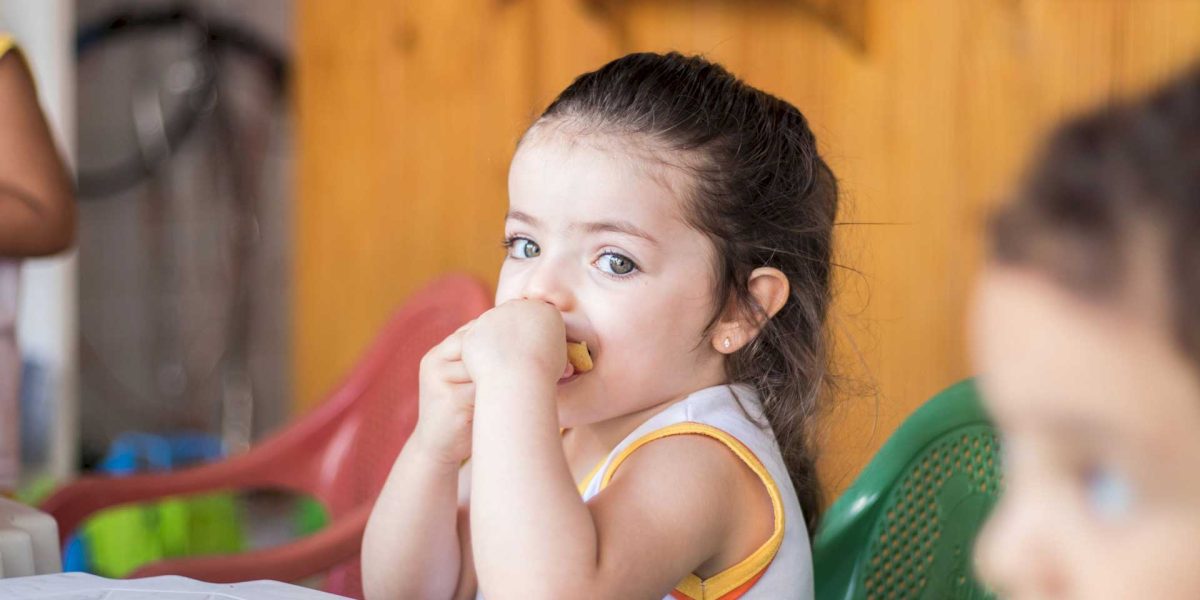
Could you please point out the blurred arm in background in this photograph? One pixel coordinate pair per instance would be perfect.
(37, 209)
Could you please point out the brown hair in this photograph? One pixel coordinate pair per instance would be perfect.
(762, 194)
(1100, 182)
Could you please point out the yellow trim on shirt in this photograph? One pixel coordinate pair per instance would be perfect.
(6, 43)
(729, 579)
(587, 480)
(582, 486)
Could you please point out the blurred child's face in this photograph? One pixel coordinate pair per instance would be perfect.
(1100, 414)
(600, 234)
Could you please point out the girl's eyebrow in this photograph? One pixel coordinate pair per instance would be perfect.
(1081, 428)
(517, 215)
(624, 227)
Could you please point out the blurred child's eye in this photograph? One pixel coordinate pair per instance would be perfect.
(519, 247)
(1109, 493)
(616, 264)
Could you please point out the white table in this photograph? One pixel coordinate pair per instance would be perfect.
(82, 586)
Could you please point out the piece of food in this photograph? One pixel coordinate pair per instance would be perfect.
(579, 357)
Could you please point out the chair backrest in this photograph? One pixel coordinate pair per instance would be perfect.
(340, 452)
(906, 527)
(383, 392)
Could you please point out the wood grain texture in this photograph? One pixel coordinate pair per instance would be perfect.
(927, 110)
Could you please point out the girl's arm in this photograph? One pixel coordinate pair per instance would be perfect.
(673, 507)
(417, 543)
(37, 209)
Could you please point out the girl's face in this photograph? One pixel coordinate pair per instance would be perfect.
(1100, 417)
(601, 236)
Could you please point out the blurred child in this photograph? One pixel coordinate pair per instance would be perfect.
(679, 222)
(1087, 340)
(37, 217)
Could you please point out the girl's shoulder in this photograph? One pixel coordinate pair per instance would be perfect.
(713, 456)
(730, 414)
(712, 442)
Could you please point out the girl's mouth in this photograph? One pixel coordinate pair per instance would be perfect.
(569, 372)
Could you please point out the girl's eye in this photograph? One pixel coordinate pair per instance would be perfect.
(1109, 493)
(616, 264)
(519, 247)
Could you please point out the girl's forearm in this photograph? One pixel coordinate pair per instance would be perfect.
(531, 532)
(37, 207)
(29, 227)
(411, 545)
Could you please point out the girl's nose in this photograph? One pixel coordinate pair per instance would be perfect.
(548, 284)
(1012, 554)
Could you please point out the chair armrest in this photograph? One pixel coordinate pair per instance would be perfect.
(308, 556)
(73, 503)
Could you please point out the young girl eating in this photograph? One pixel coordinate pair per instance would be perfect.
(679, 223)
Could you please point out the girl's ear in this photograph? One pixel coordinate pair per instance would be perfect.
(769, 288)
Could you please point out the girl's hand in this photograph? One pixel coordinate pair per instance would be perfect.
(447, 402)
(526, 338)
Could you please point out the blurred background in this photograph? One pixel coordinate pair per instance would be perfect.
(184, 145)
(262, 183)
(173, 310)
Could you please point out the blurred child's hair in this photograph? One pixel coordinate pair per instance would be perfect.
(1123, 175)
(760, 191)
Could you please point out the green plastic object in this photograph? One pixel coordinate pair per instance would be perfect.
(121, 539)
(906, 527)
(214, 525)
(125, 537)
(37, 490)
(311, 516)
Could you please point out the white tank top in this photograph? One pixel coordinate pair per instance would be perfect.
(781, 569)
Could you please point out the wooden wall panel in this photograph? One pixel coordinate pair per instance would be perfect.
(927, 110)
(408, 112)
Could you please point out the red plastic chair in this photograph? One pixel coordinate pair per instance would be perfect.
(340, 453)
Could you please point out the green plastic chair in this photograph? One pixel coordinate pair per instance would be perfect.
(906, 528)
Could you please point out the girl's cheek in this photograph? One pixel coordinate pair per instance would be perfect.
(508, 287)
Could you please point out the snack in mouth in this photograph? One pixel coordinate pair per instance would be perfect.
(578, 356)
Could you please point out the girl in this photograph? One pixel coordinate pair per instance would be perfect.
(1087, 338)
(679, 222)
(37, 217)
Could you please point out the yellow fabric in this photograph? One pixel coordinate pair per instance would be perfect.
(6, 43)
(587, 480)
(728, 580)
